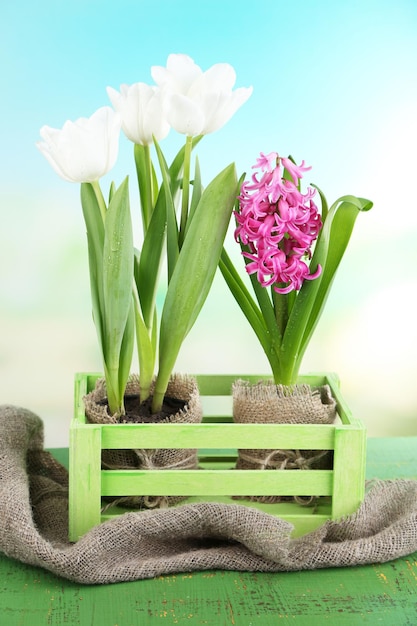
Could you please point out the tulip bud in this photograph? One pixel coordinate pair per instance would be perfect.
(85, 150)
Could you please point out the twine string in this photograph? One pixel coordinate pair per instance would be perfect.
(285, 460)
(146, 462)
(282, 459)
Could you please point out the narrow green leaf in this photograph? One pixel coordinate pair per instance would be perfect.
(117, 275)
(244, 299)
(324, 205)
(171, 220)
(96, 283)
(126, 351)
(95, 237)
(175, 168)
(149, 260)
(146, 352)
(197, 192)
(147, 182)
(112, 189)
(310, 300)
(195, 269)
(265, 304)
(263, 298)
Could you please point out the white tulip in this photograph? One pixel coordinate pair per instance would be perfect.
(141, 110)
(198, 102)
(85, 150)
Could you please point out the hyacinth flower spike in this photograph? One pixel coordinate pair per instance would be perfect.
(291, 254)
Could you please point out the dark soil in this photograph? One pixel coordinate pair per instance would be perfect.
(140, 413)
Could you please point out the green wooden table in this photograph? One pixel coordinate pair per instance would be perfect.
(376, 594)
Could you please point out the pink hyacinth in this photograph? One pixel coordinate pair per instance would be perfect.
(278, 224)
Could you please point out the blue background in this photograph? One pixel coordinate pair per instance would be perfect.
(334, 84)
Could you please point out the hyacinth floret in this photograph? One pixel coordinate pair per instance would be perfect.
(278, 224)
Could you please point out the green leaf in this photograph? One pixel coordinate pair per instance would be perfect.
(126, 351)
(149, 260)
(146, 352)
(263, 299)
(324, 205)
(265, 304)
(95, 237)
(171, 220)
(244, 299)
(177, 165)
(112, 189)
(196, 195)
(311, 298)
(117, 280)
(147, 182)
(195, 270)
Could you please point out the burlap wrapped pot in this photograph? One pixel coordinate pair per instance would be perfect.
(268, 403)
(182, 388)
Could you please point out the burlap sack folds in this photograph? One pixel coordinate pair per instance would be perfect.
(181, 387)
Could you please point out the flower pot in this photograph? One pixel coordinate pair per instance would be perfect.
(182, 405)
(268, 403)
(217, 438)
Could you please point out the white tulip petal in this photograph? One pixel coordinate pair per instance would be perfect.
(115, 97)
(84, 150)
(143, 116)
(185, 116)
(219, 77)
(48, 154)
(179, 74)
(154, 120)
(160, 75)
(239, 97)
(210, 100)
(215, 107)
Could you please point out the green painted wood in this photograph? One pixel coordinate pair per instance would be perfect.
(381, 594)
(151, 436)
(345, 483)
(221, 384)
(215, 482)
(84, 480)
(349, 470)
(216, 384)
(375, 595)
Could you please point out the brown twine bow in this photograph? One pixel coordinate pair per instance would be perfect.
(146, 463)
(282, 459)
(285, 460)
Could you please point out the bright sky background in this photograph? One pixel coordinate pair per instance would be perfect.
(334, 83)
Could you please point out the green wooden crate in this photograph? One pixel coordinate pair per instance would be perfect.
(217, 440)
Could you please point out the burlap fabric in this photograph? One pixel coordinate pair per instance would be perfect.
(180, 387)
(206, 536)
(268, 403)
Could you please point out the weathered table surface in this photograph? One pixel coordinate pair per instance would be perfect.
(376, 594)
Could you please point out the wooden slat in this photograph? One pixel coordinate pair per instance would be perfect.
(216, 482)
(84, 480)
(245, 436)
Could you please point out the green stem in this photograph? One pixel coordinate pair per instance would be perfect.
(185, 188)
(280, 301)
(147, 209)
(146, 354)
(288, 367)
(157, 399)
(100, 199)
(116, 404)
